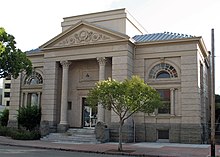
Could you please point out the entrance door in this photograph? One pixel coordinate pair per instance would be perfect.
(89, 115)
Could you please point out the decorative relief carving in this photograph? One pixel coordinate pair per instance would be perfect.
(162, 59)
(83, 37)
(89, 75)
(102, 61)
(65, 63)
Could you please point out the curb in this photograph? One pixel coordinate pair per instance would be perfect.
(109, 152)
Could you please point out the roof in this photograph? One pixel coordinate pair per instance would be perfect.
(142, 38)
(68, 34)
(160, 37)
(37, 50)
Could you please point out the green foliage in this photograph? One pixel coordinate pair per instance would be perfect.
(4, 131)
(19, 134)
(12, 60)
(4, 117)
(125, 98)
(29, 117)
(25, 135)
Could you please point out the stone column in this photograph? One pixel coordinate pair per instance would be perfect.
(62, 127)
(172, 101)
(38, 98)
(101, 110)
(25, 99)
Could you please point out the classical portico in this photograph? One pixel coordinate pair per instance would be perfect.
(65, 68)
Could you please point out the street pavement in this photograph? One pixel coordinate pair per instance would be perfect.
(15, 151)
(130, 149)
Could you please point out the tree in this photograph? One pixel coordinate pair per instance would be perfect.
(124, 98)
(12, 60)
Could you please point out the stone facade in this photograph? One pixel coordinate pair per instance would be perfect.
(94, 47)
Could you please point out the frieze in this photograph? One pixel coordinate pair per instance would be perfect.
(83, 37)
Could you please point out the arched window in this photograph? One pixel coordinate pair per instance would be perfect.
(163, 74)
(163, 70)
(34, 79)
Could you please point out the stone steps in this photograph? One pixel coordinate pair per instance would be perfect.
(84, 135)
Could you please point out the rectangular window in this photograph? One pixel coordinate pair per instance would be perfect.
(69, 105)
(163, 134)
(7, 85)
(165, 96)
(7, 94)
(7, 103)
(32, 99)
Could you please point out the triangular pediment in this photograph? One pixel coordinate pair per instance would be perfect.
(83, 33)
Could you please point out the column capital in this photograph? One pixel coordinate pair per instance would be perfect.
(102, 60)
(65, 63)
(172, 89)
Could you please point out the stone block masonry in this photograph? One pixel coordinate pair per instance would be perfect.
(148, 132)
(127, 133)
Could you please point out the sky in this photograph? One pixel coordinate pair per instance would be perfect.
(35, 22)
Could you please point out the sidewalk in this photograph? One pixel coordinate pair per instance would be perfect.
(130, 149)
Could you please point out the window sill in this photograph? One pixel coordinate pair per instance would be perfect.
(165, 116)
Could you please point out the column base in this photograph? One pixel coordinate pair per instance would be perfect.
(47, 127)
(62, 128)
(12, 124)
(44, 128)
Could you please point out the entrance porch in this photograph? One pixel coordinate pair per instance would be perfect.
(76, 79)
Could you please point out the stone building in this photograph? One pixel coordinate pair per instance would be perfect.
(6, 91)
(93, 47)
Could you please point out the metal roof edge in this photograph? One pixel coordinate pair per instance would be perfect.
(167, 41)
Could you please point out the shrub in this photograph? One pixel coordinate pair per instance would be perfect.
(5, 131)
(25, 135)
(29, 117)
(19, 134)
(4, 117)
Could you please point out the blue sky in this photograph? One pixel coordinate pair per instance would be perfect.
(35, 22)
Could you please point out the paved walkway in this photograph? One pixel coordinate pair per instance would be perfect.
(130, 149)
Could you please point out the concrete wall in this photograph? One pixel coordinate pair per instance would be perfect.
(185, 125)
(49, 93)
(118, 20)
(15, 100)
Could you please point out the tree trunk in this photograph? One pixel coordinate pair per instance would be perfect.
(120, 136)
